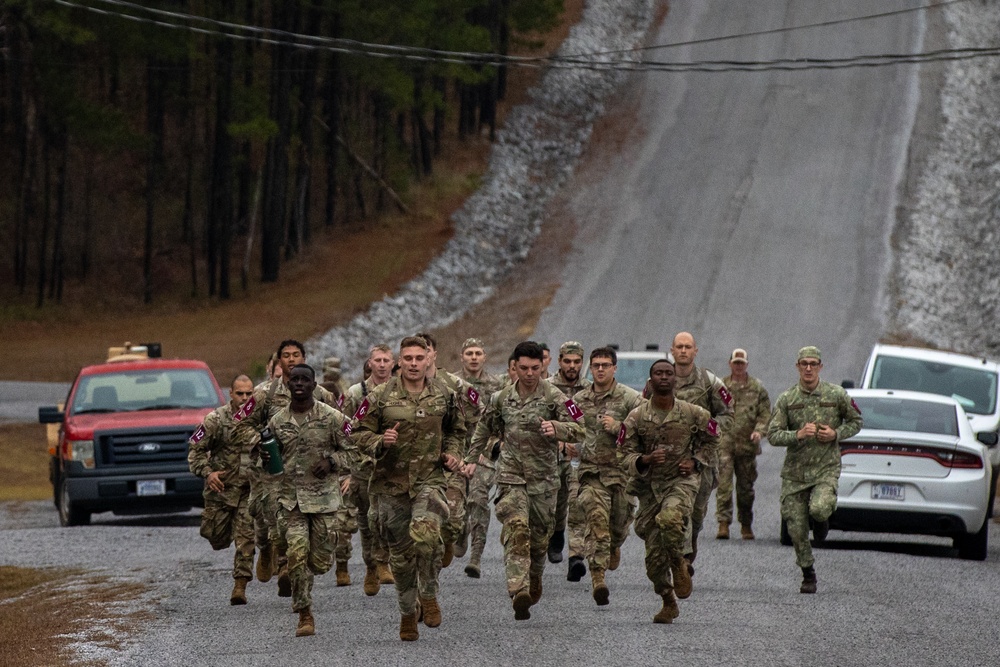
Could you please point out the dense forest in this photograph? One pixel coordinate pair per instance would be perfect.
(225, 136)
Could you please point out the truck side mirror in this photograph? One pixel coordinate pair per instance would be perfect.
(50, 414)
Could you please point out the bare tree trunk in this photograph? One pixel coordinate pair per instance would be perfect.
(56, 276)
(251, 230)
(43, 241)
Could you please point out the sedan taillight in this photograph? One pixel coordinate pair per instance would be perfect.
(946, 457)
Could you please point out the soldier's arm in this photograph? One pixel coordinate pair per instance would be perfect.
(763, 412)
(454, 429)
(343, 451)
(568, 428)
(851, 415)
(722, 404)
(368, 429)
(779, 433)
(200, 446)
(707, 438)
(252, 423)
(629, 451)
(489, 424)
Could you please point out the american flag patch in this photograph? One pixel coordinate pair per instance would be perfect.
(621, 436)
(574, 410)
(712, 428)
(473, 395)
(855, 406)
(727, 398)
(246, 410)
(197, 435)
(362, 410)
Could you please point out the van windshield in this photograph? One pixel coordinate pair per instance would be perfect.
(974, 389)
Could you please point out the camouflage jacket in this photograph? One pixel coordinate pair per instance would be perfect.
(468, 400)
(751, 412)
(355, 395)
(599, 455)
(430, 425)
(704, 389)
(528, 457)
(686, 431)
(568, 388)
(215, 447)
(269, 397)
(485, 385)
(303, 441)
(810, 461)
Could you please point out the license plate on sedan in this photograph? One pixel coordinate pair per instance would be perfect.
(885, 491)
(151, 487)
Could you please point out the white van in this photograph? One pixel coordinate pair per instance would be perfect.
(973, 382)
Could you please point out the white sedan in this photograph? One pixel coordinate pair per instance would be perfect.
(916, 467)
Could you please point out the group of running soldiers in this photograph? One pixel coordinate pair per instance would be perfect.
(412, 456)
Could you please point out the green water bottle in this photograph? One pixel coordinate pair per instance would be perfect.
(269, 444)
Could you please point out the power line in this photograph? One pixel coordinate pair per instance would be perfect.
(560, 62)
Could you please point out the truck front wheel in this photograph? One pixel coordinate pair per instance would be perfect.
(68, 514)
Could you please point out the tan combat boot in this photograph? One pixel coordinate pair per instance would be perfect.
(535, 588)
(265, 564)
(449, 555)
(601, 592)
(343, 576)
(384, 573)
(522, 605)
(669, 611)
(746, 532)
(723, 533)
(616, 559)
(239, 594)
(408, 628)
(431, 612)
(284, 582)
(371, 585)
(307, 626)
(682, 578)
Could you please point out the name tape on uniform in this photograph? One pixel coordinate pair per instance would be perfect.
(362, 410)
(347, 429)
(574, 410)
(713, 428)
(473, 395)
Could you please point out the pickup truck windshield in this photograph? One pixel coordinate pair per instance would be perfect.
(131, 391)
(974, 389)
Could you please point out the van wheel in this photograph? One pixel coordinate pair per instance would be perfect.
(974, 547)
(785, 539)
(68, 514)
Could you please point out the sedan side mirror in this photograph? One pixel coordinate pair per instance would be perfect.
(988, 438)
(848, 384)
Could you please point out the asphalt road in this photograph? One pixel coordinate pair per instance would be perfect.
(754, 209)
(19, 401)
(755, 213)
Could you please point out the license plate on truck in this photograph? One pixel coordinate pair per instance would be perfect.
(151, 487)
(885, 491)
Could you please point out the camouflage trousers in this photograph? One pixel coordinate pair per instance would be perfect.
(411, 527)
(528, 521)
(311, 540)
(662, 524)
(709, 480)
(264, 505)
(223, 524)
(798, 506)
(347, 525)
(373, 548)
(609, 515)
(567, 507)
(744, 468)
(455, 494)
(477, 508)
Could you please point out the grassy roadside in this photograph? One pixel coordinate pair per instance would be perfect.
(24, 463)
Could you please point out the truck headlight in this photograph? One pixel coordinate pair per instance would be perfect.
(83, 451)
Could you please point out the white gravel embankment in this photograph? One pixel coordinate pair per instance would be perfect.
(948, 276)
(531, 159)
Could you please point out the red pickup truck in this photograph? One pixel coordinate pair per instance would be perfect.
(123, 431)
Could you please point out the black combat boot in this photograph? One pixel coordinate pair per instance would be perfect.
(556, 544)
(808, 580)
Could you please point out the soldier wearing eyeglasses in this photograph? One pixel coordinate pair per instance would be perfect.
(811, 419)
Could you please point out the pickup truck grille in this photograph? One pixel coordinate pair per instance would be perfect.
(138, 447)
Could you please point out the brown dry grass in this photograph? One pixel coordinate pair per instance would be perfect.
(42, 611)
(24, 464)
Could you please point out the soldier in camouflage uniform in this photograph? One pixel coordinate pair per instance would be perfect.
(223, 461)
(314, 444)
(477, 508)
(532, 417)
(268, 398)
(667, 444)
(704, 389)
(569, 380)
(374, 550)
(413, 428)
(602, 497)
(458, 485)
(739, 447)
(811, 419)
